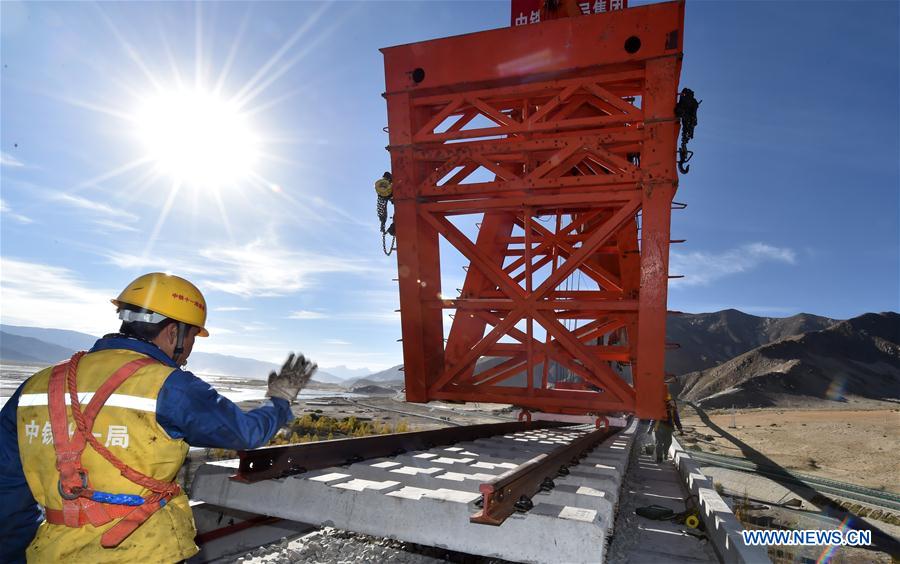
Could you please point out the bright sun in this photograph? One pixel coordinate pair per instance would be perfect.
(197, 138)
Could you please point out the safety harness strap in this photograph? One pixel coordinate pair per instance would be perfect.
(131, 521)
(68, 455)
(112, 383)
(74, 487)
(57, 517)
(132, 518)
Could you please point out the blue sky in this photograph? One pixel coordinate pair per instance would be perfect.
(793, 191)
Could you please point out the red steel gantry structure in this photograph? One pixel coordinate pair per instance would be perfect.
(560, 138)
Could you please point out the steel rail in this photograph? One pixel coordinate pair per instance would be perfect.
(822, 485)
(512, 491)
(281, 461)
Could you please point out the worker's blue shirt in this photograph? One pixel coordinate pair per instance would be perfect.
(187, 408)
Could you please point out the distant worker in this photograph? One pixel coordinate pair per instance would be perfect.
(384, 189)
(664, 428)
(136, 411)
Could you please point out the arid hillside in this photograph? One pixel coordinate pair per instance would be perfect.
(857, 358)
(709, 339)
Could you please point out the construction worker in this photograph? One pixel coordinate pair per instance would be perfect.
(384, 189)
(664, 428)
(95, 482)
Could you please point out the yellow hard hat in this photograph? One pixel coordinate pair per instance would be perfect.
(167, 295)
(384, 187)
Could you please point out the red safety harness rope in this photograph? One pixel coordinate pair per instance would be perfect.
(74, 485)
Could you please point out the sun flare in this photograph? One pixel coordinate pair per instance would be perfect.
(197, 138)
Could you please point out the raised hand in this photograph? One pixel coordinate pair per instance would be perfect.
(292, 377)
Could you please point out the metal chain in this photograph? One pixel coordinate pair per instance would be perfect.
(381, 209)
(686, 111)
(384, 244)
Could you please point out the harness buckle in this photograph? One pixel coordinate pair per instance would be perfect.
(73, 495)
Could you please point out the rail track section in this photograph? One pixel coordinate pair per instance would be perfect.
(523, 491)
(824, 486)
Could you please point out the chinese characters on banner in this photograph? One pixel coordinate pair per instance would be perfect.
(532, 11)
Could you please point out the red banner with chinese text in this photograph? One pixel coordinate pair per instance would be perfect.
(534, 11)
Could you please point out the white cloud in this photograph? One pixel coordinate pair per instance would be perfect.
(218, 330)
(98, 207)
(305, 314)
(385, 316)
(373, 305)
(136, 262)
(8, 160)
(49, 296)
(378, 316)
(701, 268)
(272, 352)
(337, 342)
(232, 308)
(265, 268)
(276, 352)
(260, 268)
(115, 225)
(5, 209)
(372, 360)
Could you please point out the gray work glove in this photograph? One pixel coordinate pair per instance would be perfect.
(292, 377)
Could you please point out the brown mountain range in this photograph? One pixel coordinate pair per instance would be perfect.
(709, 339)
(857, 358)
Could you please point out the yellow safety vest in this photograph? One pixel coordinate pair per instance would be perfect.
(127, 426)
(669, 421)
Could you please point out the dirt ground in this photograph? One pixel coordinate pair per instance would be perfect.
(859, 446)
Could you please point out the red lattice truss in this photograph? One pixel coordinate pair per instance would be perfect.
(563, 143)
